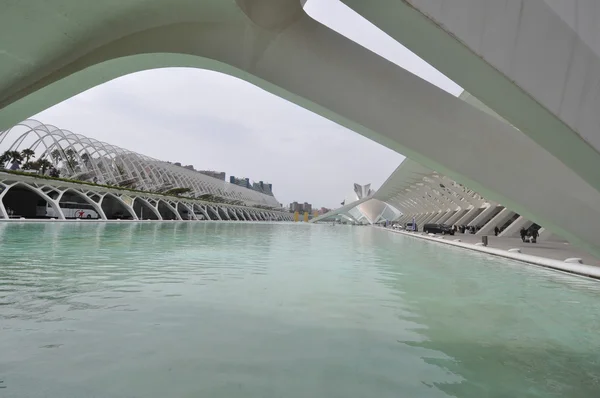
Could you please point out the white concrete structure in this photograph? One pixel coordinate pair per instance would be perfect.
(114, 203)
(86, 159)
(367, 212)
(425, 196)
(535, 62)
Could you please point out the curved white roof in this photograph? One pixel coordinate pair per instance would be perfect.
(87, 159)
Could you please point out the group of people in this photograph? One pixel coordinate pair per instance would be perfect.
(463, 229)
(529, 235)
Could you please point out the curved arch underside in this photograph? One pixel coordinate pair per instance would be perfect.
(305, 62)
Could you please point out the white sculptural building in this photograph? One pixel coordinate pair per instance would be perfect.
(369, 212)
(120, 183)
(103, 163)
(536, 63)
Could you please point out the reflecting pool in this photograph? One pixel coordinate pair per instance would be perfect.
(281, 310)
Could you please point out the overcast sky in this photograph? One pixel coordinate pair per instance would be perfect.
(217, 122)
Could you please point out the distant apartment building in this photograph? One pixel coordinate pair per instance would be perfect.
(262, 187)
(294, 206)
(300, 207)
(219, 175)
(242, 182)
(307, 207)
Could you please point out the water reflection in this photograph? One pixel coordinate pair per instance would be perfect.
(259, 310)
(508, 329)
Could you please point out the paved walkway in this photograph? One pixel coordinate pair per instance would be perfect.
(547, 249)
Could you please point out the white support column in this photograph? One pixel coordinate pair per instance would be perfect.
(215, 211)
(432, 217)
(202, 210)
(231, 214)
(241, 214)
(190, 209)
(497, 221)
(436, 220)
(418, 218)
(39, 192)
(447, 216)
(118, 199)
(457, 216)
(468, 217)
(224, 210)
(515, 227)
(483, 216)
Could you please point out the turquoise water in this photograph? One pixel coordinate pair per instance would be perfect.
(258, 310)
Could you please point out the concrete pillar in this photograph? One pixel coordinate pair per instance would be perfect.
(457, 216)
(515, 227)
(483, 217)
(447, 216)
(442, 214)
(402, 219)
(496, 221)
(468, 217)
(431, 217)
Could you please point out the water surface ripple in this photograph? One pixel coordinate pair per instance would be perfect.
(280, 310)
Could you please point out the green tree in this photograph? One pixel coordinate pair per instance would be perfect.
(177, 191)
(27, 154)
(43, 165)
(56, 155)
(71, 158)
(15, 156)
(4, 158)
(30, 166)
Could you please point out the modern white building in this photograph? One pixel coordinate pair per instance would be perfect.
(86, 159)
(536, 63)
(370, 211)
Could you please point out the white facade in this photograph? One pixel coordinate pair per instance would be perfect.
(135, 205)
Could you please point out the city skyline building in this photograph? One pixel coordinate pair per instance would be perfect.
(301, 207)
(219, 175)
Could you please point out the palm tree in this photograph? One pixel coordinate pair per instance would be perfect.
(15, 156)
(56, 155)
(27, 154)
(5, 157)
(43, 165)
(30, 166)
(71, 155)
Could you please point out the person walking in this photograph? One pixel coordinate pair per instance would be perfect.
(523, 233)
(534, 236)
(496, 230)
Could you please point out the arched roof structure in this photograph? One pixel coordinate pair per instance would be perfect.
(87, 159)
(534, 65)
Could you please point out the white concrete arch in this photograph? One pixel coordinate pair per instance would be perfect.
(97, 207)
(202, 210)
(303, 61)
(118, 199)
(170, 207)
(149, 205)
(214, 211)
(37, 191)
